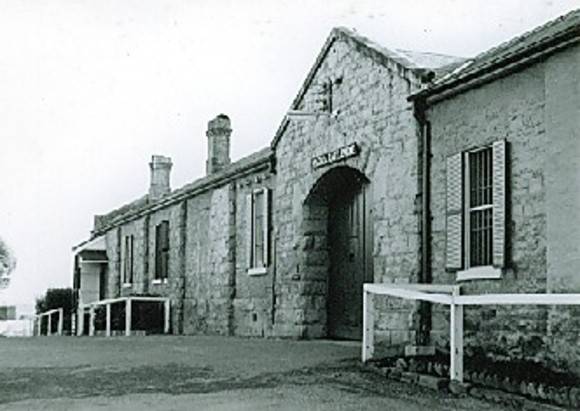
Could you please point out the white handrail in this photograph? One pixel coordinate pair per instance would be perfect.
(449, 295)
(38, 318)
(128, 310)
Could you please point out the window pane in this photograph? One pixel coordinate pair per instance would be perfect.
(480, 204)
(131, 259)
(259, 216)
(161, 249)
(165, 264)
(165, 235)
(481, 237)
(480, 178)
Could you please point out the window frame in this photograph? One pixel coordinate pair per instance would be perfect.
(162, 253)
(468, 209)
(253, 267)
(128, 260)
(469, 271)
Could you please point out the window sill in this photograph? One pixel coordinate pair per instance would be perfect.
(487, 272)
(159, 281)
(257, 271)
(127, 285)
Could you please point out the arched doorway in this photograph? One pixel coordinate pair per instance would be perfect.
(339, 206)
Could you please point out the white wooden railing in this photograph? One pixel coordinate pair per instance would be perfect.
(91, 307)
(49, 313)
(449, 295)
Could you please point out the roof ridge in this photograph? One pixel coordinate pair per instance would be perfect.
(387, 52)
(556, 32)
(431, 53)
(518, 38)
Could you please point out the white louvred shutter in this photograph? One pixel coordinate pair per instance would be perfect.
(454, 212)
(249, 232)
(499, 203)
(266, 248)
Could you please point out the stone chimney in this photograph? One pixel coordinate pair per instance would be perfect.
(160, 172)
(218, 143)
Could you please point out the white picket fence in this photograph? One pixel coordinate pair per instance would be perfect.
(449, 295)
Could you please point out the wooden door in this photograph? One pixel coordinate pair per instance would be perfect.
(349, 237)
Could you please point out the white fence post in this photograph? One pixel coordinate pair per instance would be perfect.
(49, 329)
(80, 320)
(166, 312)
(128, 317)
(456, 340)
(368, 326)
(60, 320)
(108, 320)
(92, 321)
(450, 295)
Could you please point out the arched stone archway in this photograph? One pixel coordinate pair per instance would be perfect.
(337, 249)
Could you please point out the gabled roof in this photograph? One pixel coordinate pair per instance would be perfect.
(419, 64)
(511, 54)
(145, 205)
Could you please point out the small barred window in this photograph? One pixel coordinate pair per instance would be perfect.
(480, 211)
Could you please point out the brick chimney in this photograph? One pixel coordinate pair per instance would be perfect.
(218, 143)
(160, 173)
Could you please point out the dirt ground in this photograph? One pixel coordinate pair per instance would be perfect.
(201, 373)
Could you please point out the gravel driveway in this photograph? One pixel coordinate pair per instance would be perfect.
(201, 373)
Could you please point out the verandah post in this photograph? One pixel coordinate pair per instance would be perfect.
(128, 317)
(166, 312)
(108, 320)
(368, 326)
(80, 320)
(92, 321)
(456, 339)
(60, 320)
(49, 329)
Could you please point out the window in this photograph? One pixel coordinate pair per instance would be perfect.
(476, 212)
(128, 260)
(258, 229)
(162, 251)
(479, 210)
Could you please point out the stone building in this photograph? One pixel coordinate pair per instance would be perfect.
(391, 166)
(504, 184)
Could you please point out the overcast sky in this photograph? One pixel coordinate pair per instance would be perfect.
(90, 89)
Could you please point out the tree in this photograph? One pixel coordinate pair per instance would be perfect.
(7, 264)
(56, 298)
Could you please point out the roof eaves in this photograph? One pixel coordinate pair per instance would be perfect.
(241, 167)
(469, 75)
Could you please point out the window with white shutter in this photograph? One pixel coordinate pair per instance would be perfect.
(499, 149)
(479, 208)
(258, 228)
(454, 258)
(476, 198)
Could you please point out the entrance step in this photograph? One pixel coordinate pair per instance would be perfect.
(419, 350)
